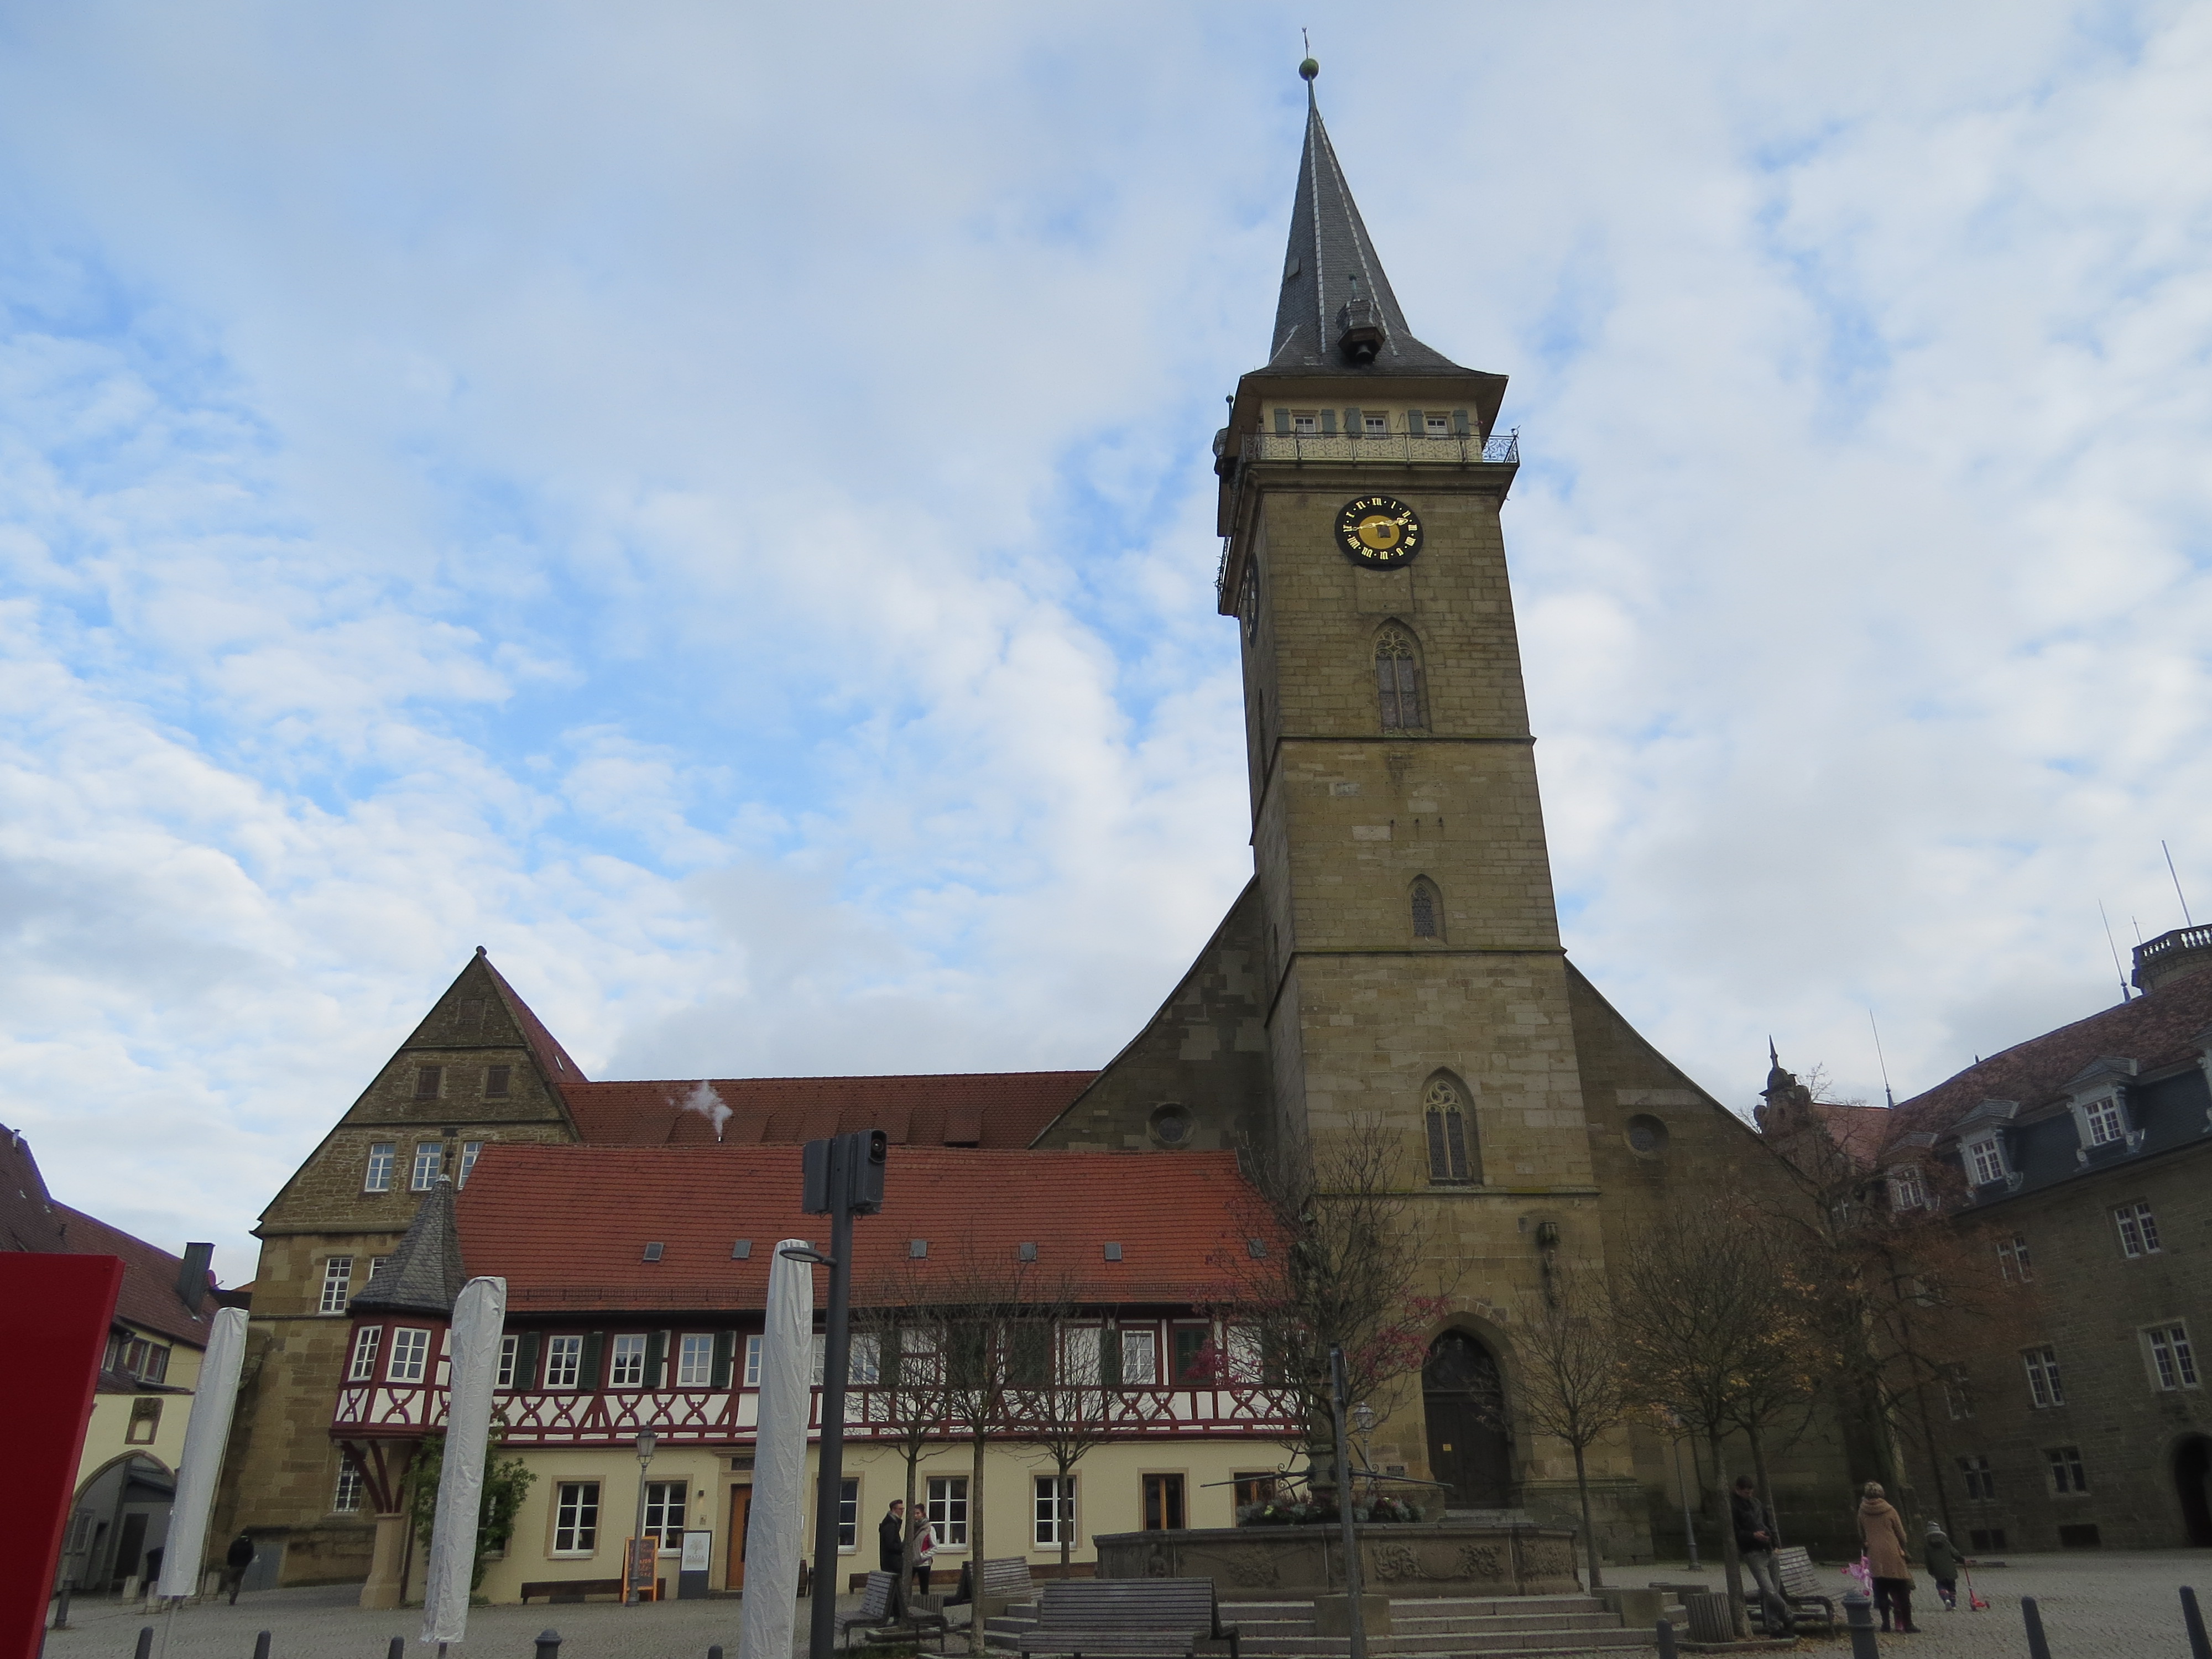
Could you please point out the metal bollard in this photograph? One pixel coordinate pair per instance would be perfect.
(145, 1649)
(61, 1613)
(2039, 1646)
(2200, 1646)
(397, 1650)
(261, 1646)
(1666, 1635)
(548, 1644)
(715, 1651)
(1858, 1619)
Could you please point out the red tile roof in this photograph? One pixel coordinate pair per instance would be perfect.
(2156, 1030)
(28, 1218)
(567, 1226)
(559, 1068)
(1004, 1110)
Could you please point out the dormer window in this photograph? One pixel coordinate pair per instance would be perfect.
(1987, 1159)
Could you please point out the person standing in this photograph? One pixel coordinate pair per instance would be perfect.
(925, 1545)
(1754, 1543)
(890, 1537)
(1882, 1530)
(1943, 1558)
(235, 1561)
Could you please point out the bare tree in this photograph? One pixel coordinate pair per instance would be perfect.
(1060, 1403)
(1574, 1384)
(1705, 1304)
(1336, 1258)
(909, 1408)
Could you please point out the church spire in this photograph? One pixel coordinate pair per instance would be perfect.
(1337, 310)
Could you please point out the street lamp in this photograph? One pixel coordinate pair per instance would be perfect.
(1363, 1423)
(647, 1443)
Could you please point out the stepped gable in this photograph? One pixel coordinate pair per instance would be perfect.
(424, 1271)
(2157, 1030)
(567, 1226)
(1000, 1111)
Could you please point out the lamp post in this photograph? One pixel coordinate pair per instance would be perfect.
(647, 1443)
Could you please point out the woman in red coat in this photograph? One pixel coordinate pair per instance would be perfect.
(1888, 1559)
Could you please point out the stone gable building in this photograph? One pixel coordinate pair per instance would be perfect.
(1393, 971)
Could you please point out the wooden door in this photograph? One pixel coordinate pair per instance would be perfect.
(741, 1509)
(1462, 1399)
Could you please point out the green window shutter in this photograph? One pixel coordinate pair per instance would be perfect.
(1110, 1357)
(1329, 423)
(725, 1344)
(1412, 423)
(1283, 422)
(1460, 423)
(1352, 423)
(590, 1379)
(526, 1361)
(656, 1360)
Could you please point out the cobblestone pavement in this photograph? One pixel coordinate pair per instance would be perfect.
(2115, 1605)
(2111, 1606)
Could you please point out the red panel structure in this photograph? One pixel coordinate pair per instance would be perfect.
(54, 1316)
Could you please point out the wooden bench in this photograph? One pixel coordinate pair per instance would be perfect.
(1800, 1588)
(1005, 1581)
(876, 1613)
(1143, 1618)
(573, 1590)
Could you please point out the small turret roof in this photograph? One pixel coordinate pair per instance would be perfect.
(1330, 248)
(424, 1274)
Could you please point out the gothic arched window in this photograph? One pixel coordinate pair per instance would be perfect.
(1451, 1140)
(1428, 910)
(1398, 680)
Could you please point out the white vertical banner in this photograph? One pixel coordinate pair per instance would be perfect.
(479, 1320)
(775, 1535)
(201, 1467)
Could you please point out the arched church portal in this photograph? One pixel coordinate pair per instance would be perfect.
(1464, 1401)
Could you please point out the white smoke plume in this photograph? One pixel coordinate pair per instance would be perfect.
(703, 1100)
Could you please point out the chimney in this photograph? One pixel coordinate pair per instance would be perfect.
(192, 1275)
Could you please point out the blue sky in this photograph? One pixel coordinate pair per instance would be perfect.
(713, 503)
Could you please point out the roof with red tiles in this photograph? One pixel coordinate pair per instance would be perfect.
(2159, 1029)
(1002, 1110)
(567, 1226)
(148, 1297)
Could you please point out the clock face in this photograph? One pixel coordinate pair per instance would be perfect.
(1379, 532)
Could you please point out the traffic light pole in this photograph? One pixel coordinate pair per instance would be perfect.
(836, 1358)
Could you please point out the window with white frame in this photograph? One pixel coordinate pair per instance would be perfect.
(1907, 1190)
(2067, 1475)
(510, 1352)
(378, 1178)
(1140, 1358)
(346, 1500)
(946, 1506)
(664, 1513)
(695, 1362)
(1435, 425)
(575, 1517)
(2043, 1385)
(2013, 1260)
(1981, 1484)
(471, 1151)
(1375, 423)
(411, 1355)
(849, 1515)
(1079, 1355)
(564, 1361)
(2172, 1360)
(864, 1365)
(1987, 1159)
(628, 1371)
(2105, 1122)
(1055, 1510)
(337, 1283)
(2138, 1229)
(1958, 1396)
(366, 1340)
(1306, 422)
(752, 1362)
(430, 1163)
(921, 1356)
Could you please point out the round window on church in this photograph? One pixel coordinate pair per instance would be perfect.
(1646, 1135)
(1171, 1124)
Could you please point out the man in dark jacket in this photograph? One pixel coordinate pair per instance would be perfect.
(1754, 1542)
(234, 1563)
(890, 1537)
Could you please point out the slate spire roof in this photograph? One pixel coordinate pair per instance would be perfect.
(423, 1273)
(1329, 250)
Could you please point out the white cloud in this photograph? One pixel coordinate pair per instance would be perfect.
(714, 507)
